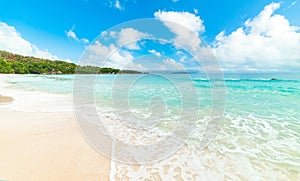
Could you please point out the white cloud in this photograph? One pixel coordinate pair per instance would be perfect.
(12, 41)
(186, 26)
(154, 52)
(266, 41)
(116, 54)
(97, 53)
(189, 20)
(110, 56)
(72, 35)
(84, 40)
(129, 37)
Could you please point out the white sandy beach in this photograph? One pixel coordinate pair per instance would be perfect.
(45, 144)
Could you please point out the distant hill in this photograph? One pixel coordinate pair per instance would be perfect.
(18, 64)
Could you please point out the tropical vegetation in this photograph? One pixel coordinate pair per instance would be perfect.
(17, 64)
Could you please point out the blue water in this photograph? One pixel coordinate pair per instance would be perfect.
(246, 93)
(261, 120)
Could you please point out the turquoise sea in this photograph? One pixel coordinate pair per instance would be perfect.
(257, 140)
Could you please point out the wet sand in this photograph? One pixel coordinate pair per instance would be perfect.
(5, 99)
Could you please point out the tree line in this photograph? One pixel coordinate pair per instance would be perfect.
(17, 64)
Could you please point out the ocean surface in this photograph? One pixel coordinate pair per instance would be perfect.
(258, 138)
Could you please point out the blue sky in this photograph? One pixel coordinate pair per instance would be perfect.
(47, 24)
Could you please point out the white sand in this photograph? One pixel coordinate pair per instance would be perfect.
(47, 146)
(40, 139)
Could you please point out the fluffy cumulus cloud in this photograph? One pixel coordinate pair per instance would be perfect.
(186, 19)
(110, 56)
(186, 26)
(12, 41)
(267, 41)
(129, 37)
(113, 55)
(99, 54)
(126, 37)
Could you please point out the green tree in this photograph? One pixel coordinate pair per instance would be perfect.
(106, 70)
(19, 68)
(5, 67)
(64, 67)
(40, 67)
